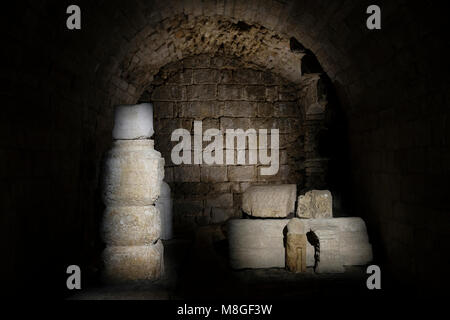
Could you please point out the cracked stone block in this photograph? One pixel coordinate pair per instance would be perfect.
(133, 122)
(269, 200)
(256, 243)
(315, 204)
(165, 206)
(131, 226)
(128, 263)
(133, 172)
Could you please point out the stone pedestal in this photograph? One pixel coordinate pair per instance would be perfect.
(133, 173)
(165, 207)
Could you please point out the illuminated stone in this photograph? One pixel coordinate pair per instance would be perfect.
(269, 200)
(256, 243)
(316, 204)
(133, 122)
(133, 174)
(131, 226)
(351, 237)
(128, 263)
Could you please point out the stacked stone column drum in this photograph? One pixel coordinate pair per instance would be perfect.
(133, 174)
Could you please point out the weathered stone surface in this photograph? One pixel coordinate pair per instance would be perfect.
(133, 174)
(133, 122)
(256, 243)
(296, 252)
(131, 226)
(269, 200)
(330, 259)
(127, 263)
(353, 241)
(165, 206)
(315, 204)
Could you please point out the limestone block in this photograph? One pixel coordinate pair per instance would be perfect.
(133, 122)
(269, 200)
(165, 206)
(300, 227)
(315, 204)
(330, 259)
(255, 243)
(354, 246)
(133, 263)
(131, 226)
(133, 172)
(296, 252)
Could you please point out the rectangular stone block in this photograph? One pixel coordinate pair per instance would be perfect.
(133, 122)
(241, 173)
(316, 204)
(352, 241)
(187, 173)
(214, 174)
(269, 200)
(220, 201)
(330, 258)
(230, 92)
(256, 243)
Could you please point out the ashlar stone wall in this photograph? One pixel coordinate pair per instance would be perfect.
(224, 93)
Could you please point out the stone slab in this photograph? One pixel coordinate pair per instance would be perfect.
(133, 122)
(270, 200)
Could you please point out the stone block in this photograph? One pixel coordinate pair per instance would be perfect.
(352, 241)
(269, 200)
(219, 215)
(129, 263)
(256, 243)
(131, 226)
(241, 173)
(133, 122)
(316, 204)
(220, 201)
(165, 207)
(330, 258)
(230, 92)
(201, 92)
(296, 252)
(214, 173)
(133, 172)
(188, 173)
